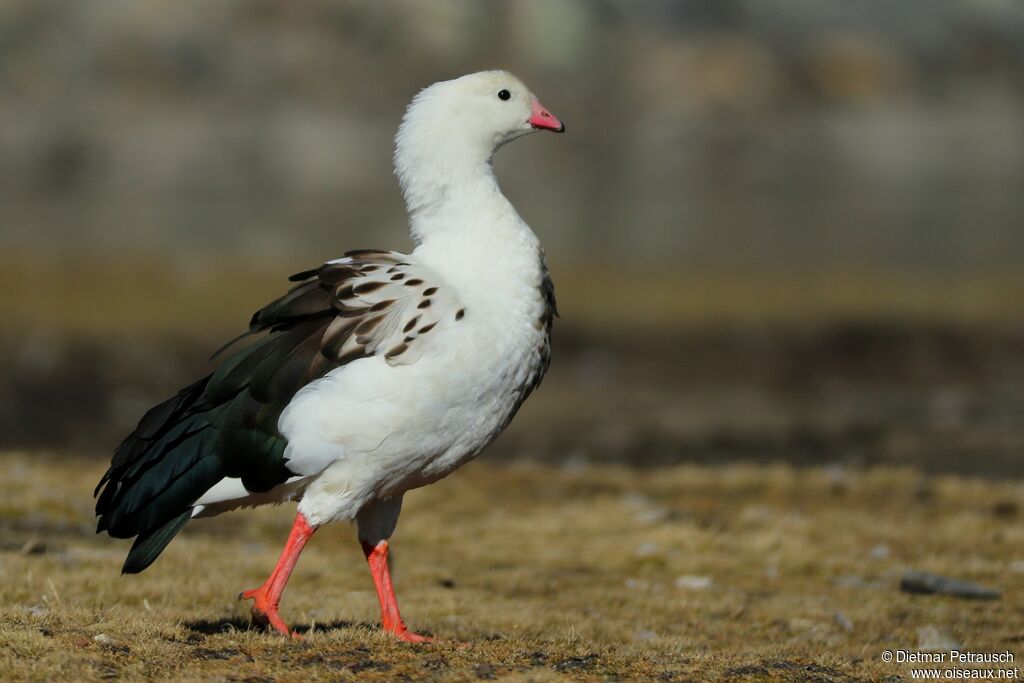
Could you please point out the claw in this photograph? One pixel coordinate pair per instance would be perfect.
(264, 612)
(267, 597)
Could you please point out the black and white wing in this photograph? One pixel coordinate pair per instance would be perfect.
(369, 303)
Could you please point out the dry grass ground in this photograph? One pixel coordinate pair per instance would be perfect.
(585, 573)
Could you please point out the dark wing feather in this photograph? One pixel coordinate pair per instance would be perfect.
(225, 425)
(150, 543)
(304, 299)
(287, 368)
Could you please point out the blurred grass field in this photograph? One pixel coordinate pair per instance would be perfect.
(545, 573)
(722, 478)
(214, 295)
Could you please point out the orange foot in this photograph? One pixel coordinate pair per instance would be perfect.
(408, 636)
(264, 611)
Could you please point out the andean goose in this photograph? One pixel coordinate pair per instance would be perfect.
(377, 373)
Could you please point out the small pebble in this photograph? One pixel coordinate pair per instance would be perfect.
(1005, 509)
(838, 479)
(922, 489)
(646, 550)
(635, 500)
(650, 516)
(924, 583)
(694, 583)
(843, 622)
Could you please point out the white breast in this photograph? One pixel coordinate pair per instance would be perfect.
(372, 430)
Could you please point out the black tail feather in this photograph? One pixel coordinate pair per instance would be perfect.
(150, 543)
(225, 424)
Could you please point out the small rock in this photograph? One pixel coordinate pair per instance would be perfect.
(485, 671)
(932, 639)
(880, 552)
(103, 638)
(1005, 509)
(583, 663)
(635, 500)
(804, 626)
(843, 622)
(646, 550)
(838, 479)
(650, 516)
(694, 583)
(576, 463)
(926, 583)
(922, 489)
(757, 514)
(38, 610)
(107, 672)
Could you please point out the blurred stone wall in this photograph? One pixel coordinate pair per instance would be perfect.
(766, 134)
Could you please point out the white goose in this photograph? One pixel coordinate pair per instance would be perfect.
(377, 373)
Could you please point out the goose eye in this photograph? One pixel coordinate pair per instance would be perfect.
(504, 94)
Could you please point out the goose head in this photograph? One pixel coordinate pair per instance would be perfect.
(451, 130)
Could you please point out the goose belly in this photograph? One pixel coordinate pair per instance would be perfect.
(374, 431)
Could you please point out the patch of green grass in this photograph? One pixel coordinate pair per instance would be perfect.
(592, 573)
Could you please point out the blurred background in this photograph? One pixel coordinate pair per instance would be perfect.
(779, 230)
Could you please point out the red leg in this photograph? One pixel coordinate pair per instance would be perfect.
(390, 619)
(268, 596)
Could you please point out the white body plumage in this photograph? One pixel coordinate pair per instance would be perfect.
(372, 429)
